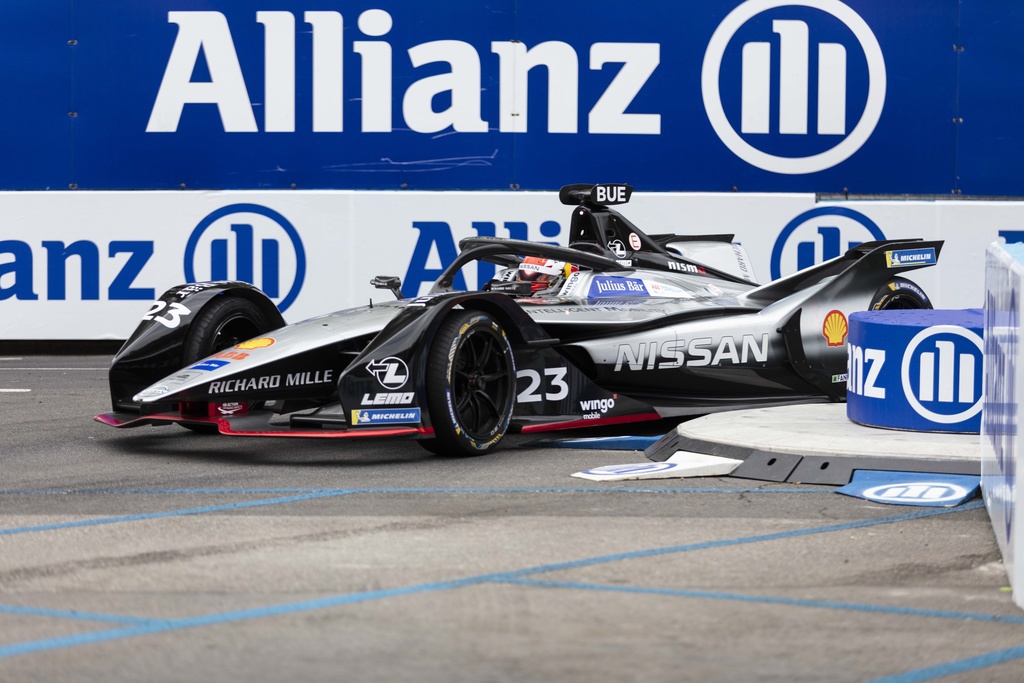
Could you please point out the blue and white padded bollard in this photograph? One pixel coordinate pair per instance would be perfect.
(918, 370)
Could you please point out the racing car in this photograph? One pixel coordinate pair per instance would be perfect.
(618, 326)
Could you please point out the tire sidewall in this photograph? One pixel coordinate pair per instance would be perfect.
(447, 424)
(901, 290)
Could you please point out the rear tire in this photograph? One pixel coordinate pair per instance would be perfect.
(899, 294)
(221, 324)
(470, 385)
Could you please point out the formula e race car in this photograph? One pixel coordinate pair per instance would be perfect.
(619, 326)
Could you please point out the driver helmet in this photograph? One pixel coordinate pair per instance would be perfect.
(543, 273)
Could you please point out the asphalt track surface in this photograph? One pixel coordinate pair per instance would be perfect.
(155, 554)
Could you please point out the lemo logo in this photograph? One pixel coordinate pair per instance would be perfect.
(798, 51)
(251, 243)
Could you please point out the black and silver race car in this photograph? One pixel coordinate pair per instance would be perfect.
(619, 326)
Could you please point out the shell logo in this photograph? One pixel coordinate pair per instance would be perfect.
(835, 328)
(260, 343)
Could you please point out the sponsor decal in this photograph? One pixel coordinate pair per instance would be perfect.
(230, 355)
(437, 241)
(634, 241)
(912, 488)
(210, 365)
(513, 288)
(864, 366)
(230, 408)
(642, 468)
(910, 257)
(194, 288)
(741, 262)
(941, 373)
(770, 109)
(243, 240)
(391, 372)
(903, 284)
(818, 235)
(840, 379)
(605, 285)
(387, 399)
(698, 352)
(686, 268)
(594, 408)
(661, 289)
(267, 382)
(371, 416)
(618, 248)
(835, 328)
(158, 390)
(260, 343)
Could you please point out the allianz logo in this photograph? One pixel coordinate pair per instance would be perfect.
(830, 72)
(207, 35)
(939, 373)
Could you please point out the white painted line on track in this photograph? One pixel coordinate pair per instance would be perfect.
(11, 358)
(14, 391)
(55, 369)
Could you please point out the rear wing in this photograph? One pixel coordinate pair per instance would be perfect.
(882, 258)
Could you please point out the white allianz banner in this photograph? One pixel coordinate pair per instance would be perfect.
(87, 265)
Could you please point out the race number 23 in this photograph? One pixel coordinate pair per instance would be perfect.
(553, 385)
(170, 318)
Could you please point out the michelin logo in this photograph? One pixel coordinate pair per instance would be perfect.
(910, 257)
(383, 416)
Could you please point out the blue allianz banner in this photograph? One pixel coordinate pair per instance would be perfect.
(764, 95)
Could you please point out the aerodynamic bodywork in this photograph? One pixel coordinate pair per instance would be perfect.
(618, 326)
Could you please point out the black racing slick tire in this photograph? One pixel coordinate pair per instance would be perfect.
(899, 294)
(221, 324)
(471, 382)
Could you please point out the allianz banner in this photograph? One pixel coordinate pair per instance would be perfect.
(915, 97)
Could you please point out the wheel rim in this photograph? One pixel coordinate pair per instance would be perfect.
(480, 383)
(233, 331)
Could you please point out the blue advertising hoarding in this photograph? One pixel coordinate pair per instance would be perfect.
(764, 95)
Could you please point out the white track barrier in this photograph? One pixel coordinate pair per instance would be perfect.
(1001, 443)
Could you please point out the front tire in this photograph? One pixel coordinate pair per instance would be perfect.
(899, 294)
(221, 324)
(470, 385)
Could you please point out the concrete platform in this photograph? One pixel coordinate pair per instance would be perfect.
(817, 444)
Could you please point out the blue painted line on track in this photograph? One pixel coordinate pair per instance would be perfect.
(514, 489)
(956, 667)
(761, 599)
(704, 545)
(168, 513)
(499, 577)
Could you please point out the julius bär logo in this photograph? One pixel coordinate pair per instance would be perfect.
(782, 82)
(251, 243)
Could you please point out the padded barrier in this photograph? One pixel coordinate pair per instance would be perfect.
(916, 370)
